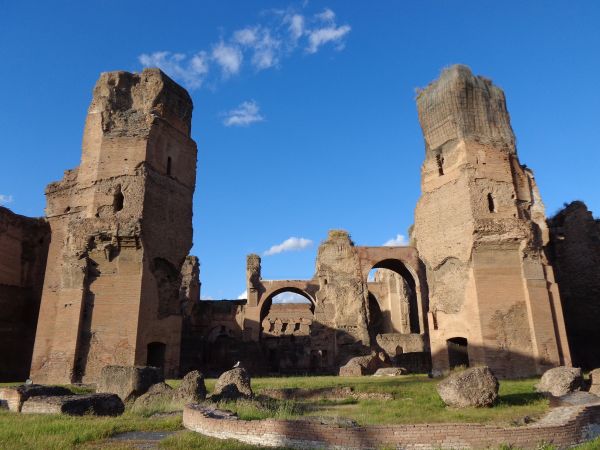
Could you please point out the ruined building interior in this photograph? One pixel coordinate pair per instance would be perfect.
(105, 278)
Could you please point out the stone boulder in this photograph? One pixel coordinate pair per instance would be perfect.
(474, 387)
(233, 384)
(363, 365)
(390, 372)
(128, 382)
(75, 405)
(561, 381)
(595, 382)
(14, 397)
(159, 392)
(192, 388)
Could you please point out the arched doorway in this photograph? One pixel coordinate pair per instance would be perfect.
(394, 288)
(458, 352)
(286, 319)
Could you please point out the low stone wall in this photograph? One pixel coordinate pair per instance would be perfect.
(561, 427)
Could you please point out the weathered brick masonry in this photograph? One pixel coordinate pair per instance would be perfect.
(562, 427)
(23, 251)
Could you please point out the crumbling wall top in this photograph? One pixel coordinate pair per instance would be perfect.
(460, 105)
(130, 101)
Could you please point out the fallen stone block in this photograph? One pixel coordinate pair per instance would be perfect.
(390, 372)
(474, 387)
(75, 405)
(192, 387)
(560, 381)
(363, 365)
(233, 384)
(128, 382)
(14, 397)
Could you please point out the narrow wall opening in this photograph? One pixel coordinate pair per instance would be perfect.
(491, 203)
(118, 199)
(156, 354)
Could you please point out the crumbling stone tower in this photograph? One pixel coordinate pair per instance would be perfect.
(121, 230)
(480, 230)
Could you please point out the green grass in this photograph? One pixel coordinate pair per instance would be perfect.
(415, 400)
(48, 432)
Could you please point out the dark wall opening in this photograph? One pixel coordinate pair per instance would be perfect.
(156, 354)
(458, 353)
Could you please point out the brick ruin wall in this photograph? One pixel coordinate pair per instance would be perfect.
(480, 230)
(121, 230)
(575, 254)
(563, 427)
(121, 289)
(23, 251)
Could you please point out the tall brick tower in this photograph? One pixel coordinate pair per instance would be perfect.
(480, 228)
(121, 230)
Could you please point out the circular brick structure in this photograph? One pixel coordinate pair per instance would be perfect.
(562, 427)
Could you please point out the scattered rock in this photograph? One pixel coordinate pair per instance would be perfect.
(14, 397)
(159, 392)
(561, 381)
(595, 382)
(390, 372)
(75, 405)
(128, 382)
(192, 388)
(233, 384)
(476, 387)
(363, 365)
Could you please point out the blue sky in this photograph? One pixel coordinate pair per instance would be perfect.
(304, 115)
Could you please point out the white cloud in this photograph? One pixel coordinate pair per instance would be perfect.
(263, 45)
(398, 241)
(191, 71)
(290, 297)
(326, 16)
(5, 199)
(228, 57)
(246, 36)
(207, 298)
(295, 25)
(242, 116)
(243, 295)
(288, 245)
(321, 36)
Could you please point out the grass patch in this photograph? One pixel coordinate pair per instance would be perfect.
(415, 400)
(53, 431)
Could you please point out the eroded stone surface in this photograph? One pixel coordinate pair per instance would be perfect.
(561, 381)
(14, 397)
(390, 372)
(480, 230)
(233, 384)
(75, 405)
(363, 365)
(575, 250)
(128, 382)
(121, 230)
(474, 387)
(23, 252)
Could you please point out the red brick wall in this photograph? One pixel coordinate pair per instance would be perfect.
(563, 427)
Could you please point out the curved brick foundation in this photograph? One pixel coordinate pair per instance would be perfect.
(562, 427)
